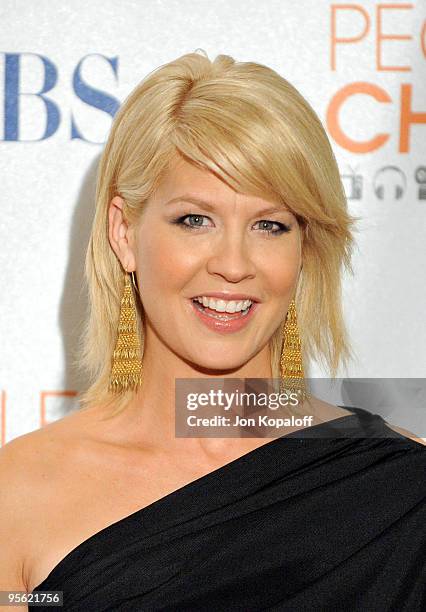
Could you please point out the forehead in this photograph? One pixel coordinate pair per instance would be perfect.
(184, 178)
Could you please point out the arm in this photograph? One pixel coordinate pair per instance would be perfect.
(13, 458)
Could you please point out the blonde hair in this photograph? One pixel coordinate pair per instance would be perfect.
(255, 131)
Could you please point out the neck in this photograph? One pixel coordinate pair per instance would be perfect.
(153, 412)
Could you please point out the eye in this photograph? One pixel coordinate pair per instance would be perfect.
(196, 218)
(282, 228)
(196, 221)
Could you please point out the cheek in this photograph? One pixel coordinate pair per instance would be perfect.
(281, 266)
(163, 262)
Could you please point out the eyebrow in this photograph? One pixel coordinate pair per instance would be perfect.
(210, 206)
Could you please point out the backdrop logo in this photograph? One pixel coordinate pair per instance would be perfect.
(50, 115)
(353, 184)
(392, 179)
(351, 24)
(420, 177)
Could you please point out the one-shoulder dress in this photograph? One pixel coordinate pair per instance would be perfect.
(330, 518)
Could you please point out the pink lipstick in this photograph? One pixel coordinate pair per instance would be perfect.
(223, 322)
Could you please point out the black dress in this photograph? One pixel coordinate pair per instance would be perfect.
(301, 523)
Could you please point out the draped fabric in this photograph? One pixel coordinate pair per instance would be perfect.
(330, 518)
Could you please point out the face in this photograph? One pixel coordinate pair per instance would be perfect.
(233, 244)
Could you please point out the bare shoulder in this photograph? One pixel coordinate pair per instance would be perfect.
(21, 459)
(29, 464)
(324, 411)
(28, 455)
(407, 434)
(29, 460)
(17, 489)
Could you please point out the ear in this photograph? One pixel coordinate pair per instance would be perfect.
(120, 235)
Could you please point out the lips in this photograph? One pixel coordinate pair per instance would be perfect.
(222, 315)
(223, 295)
(222, 322)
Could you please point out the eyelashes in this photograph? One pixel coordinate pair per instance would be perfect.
(282, 227)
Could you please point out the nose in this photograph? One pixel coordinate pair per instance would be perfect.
(231, 258)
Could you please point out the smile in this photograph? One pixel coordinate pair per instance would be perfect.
(221, 320)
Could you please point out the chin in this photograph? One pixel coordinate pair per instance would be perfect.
(217, 366)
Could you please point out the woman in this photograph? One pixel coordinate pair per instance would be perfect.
(217, 189)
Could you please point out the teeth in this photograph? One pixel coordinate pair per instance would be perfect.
(224, 305)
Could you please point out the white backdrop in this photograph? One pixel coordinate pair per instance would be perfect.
(65, 67)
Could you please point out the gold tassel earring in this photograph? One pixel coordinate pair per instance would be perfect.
(126, 369)
(292, 374)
